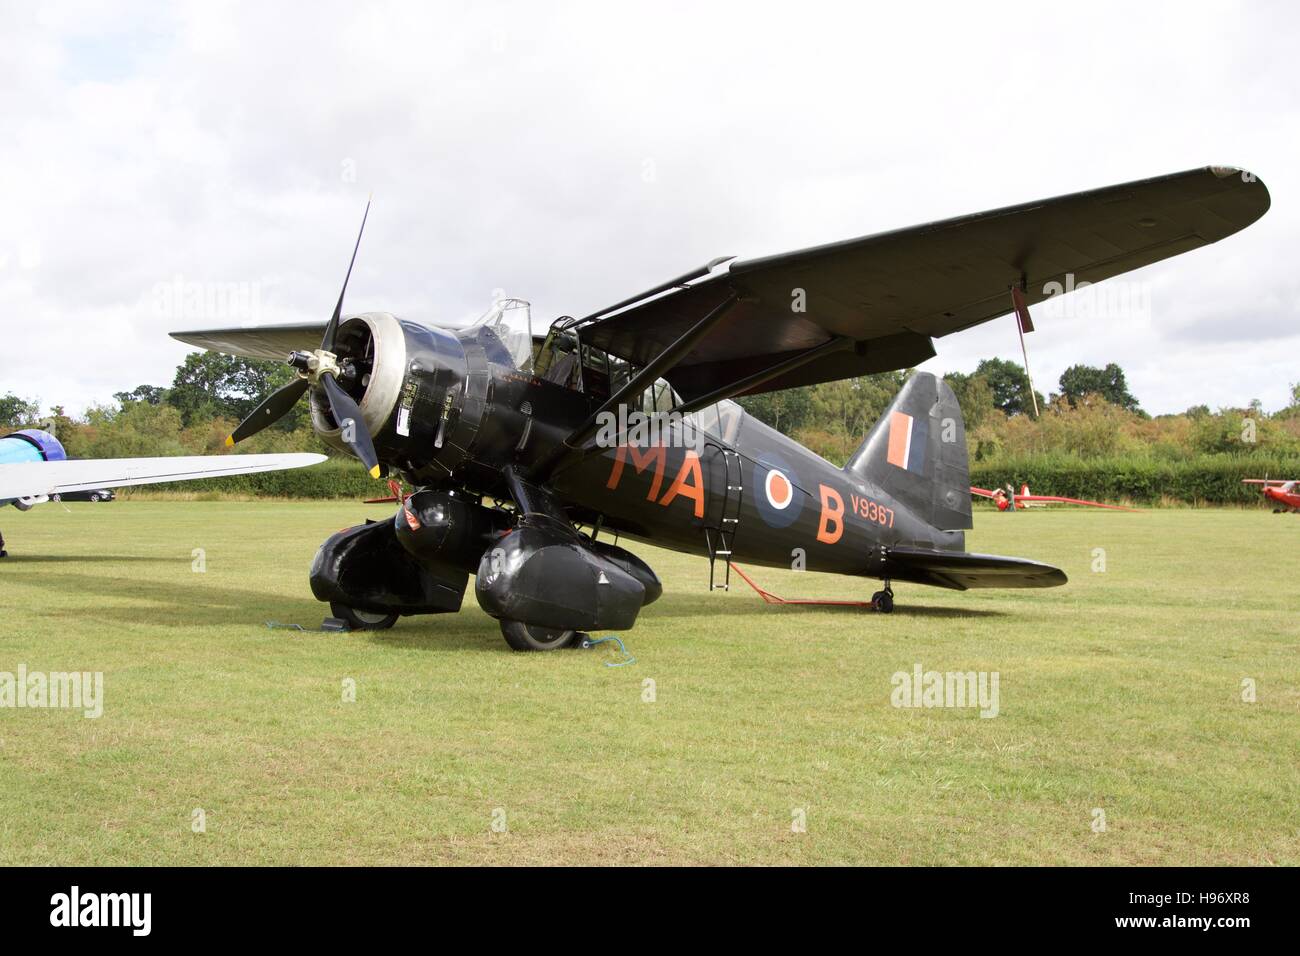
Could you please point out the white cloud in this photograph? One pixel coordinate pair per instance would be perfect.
(575, 154)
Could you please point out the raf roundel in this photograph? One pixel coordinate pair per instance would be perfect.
(777, 494)
(779, 490)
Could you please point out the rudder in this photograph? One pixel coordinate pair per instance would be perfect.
(916, 453)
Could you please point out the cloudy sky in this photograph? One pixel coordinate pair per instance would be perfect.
(573, 154)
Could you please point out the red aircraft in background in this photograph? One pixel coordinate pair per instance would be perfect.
(1284, 494)
(1008, 500)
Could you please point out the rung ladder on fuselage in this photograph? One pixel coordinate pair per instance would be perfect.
(719, 537)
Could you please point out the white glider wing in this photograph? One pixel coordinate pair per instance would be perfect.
(34, 478)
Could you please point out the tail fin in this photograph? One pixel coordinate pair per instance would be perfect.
(916, 454)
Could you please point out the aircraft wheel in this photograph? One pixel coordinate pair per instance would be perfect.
(363, 620)
(883, 601)
(533, 637)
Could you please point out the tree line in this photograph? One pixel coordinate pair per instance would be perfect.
(1092, 415)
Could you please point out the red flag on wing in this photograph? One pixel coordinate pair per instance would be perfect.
(1022, 310)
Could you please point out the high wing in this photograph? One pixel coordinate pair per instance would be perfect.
(273, 342)
(34, 478)
(883, 297)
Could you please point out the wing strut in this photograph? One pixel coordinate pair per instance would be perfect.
(740, 386)
(665, 360)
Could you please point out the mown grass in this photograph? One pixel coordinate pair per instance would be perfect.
(1120, 692)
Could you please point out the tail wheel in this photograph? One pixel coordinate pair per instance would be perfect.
(532, 637)
(883, 601)
(363, 620)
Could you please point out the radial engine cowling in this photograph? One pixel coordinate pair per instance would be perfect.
(409, 382)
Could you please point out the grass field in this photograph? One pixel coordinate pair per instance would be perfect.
(1121, 692)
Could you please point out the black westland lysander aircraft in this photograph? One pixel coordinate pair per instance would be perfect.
(518, 443)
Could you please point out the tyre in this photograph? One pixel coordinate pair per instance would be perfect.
(883, 601)
(532, 637)
(94, 496)
(363, 620)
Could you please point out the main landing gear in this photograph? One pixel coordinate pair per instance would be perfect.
(883, 601)
(533, 637)
(362, 620)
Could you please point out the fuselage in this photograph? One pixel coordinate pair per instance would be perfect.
(681, 482)
(28, 445)
(449, 409)
(1285, 495)
(792, 507)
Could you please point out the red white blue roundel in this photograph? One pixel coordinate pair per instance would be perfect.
(776, 491)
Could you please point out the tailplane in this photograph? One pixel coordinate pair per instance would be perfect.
(916, 454)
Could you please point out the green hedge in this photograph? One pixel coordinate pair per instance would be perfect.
(335, 478)
(1199, 480)
(1196, 480)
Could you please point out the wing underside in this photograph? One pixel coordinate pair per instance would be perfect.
(272, 342)
(889, 294)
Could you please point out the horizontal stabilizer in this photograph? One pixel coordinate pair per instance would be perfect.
(960, 571)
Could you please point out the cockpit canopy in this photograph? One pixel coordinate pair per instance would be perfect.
(563, 359)
(512, 322)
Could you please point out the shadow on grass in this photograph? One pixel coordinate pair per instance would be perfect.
(423, 634)
(196, 604)
(201, 603)
(704, 605)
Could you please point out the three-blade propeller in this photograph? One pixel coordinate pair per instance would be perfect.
(319, 369)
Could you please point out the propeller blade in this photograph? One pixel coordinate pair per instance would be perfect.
(345, 410)
(327, 343)
(272, 409)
